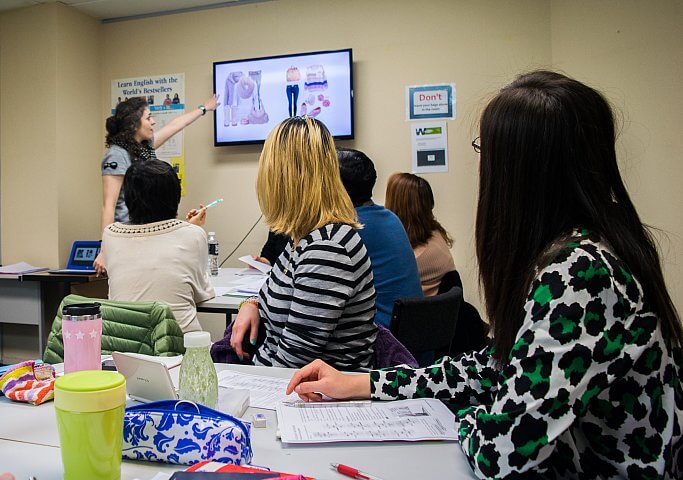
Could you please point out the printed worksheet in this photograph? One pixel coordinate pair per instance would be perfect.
(403, 420)
(264, 392)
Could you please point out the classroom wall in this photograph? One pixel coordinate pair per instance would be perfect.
(631, 51)
(50, 132)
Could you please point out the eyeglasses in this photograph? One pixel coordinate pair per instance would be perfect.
(476, 144)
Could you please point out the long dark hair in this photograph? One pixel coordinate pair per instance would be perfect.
(411, 198)
(122, 125)
(548, 164)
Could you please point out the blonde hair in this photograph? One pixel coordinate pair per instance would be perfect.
(298, 186)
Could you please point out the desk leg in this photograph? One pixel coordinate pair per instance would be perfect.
(51, 294)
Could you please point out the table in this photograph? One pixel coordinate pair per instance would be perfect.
(33, 299)
(29, 445)
(221, 304)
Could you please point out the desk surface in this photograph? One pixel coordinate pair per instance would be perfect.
(29, 445)
(226, 278)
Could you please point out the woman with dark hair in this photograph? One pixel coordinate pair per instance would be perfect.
(410, 197)
(157, 257)
(131, 138)
(583, 377)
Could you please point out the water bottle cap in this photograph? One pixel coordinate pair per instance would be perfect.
(211, 234)
(197, 339)
(81, 309)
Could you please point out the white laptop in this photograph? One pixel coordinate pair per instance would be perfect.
(148, 380)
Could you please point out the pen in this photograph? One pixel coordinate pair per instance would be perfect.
(214, 203)
(348, 403)
(352, 472)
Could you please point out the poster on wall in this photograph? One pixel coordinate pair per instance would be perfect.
(430, 102)
(430, 147)
(166, 97)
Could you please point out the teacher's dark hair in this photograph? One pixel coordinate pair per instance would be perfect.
(152, 192)
(122, 125)
(548, 164)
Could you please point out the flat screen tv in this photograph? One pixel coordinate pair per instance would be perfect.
(256, 94)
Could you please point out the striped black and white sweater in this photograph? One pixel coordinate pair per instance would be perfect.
(319, 302)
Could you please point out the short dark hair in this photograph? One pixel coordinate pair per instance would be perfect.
(151, 190)
(548, 165)
(358, 175)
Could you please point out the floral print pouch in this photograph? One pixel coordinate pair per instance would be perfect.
(182, 432)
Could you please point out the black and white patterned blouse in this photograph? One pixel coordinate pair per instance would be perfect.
(319, 302)
(592, 388)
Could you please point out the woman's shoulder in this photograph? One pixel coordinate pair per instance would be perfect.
(333, 233)
(583, 261)
(116, 161)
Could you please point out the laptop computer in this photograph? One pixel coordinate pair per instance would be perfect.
(83, 254)
(147, 380)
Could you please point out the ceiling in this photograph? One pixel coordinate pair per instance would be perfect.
(117, 10)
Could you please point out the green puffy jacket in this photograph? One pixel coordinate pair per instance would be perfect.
(140, 327)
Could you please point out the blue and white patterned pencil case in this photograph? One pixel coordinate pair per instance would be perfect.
(182, 432)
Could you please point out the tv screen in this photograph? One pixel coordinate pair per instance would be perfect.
(258, 93)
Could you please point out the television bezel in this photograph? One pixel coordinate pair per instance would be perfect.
(216, 143)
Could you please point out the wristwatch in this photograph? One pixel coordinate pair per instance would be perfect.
(203, 109)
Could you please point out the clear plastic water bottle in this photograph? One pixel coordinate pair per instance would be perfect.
(213, 254)
(198, 379)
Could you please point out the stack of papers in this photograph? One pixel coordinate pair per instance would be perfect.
(20, 268)
(264, 392)
(403, 420)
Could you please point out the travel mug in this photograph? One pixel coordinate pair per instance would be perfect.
(89, 407)
(82, 337)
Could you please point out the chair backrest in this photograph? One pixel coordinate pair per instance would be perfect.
(389, 352)
(426, 324)
(450, 280)
(140, 327)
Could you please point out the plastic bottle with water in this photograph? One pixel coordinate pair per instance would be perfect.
(198, 378)
(213, 254)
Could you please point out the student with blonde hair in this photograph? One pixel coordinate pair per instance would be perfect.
(410, 197)
(319, 300)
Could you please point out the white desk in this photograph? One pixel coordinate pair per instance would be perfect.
(227, 277)
(29, 445)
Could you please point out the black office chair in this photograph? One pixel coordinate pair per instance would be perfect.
(471, 332)
(426, 324)
(450, 280)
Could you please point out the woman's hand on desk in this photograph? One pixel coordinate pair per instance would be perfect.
(197, 216)
(246, 322)
(100, 267)
(318, 377)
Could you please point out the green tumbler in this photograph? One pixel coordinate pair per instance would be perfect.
(89, 406)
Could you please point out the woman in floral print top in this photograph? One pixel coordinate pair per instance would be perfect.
(582, 377)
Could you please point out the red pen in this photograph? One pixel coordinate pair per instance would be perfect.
(352, 472)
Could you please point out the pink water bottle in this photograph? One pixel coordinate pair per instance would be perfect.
(82, 335)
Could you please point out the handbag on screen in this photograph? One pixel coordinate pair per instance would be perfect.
(182, 432)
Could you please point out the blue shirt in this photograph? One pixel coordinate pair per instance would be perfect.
(392, 259)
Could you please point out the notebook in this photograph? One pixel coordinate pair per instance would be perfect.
(83, 254)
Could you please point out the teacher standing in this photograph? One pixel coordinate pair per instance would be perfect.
(131, 138)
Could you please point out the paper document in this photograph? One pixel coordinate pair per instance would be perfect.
(264, 392)
(262, 267)
(20, 268)
(403, 420)
(243, 286)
